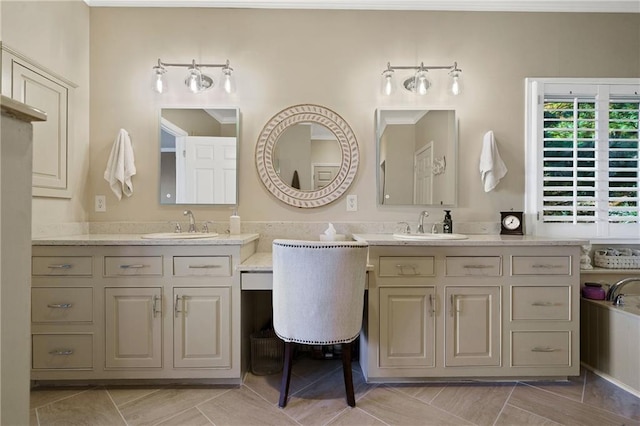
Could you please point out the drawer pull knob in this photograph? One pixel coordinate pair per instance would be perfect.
(413, 268)
(542, 304)
(61, 266)
(476, 266)
(60, 305)
(134, 266)
(62, 352)
(545, 349)
(204, 266)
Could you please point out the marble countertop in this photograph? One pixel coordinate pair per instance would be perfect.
(257, 262)
(137, 240)
(473, 240)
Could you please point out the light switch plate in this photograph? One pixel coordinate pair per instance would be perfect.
(352, 203)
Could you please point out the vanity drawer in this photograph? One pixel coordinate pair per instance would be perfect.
(464, 266)
(540, 303)
(61, 304)
(406, 266)
(117, 266)
(212, 266)
(62, 351)
(541, 265)
(540, 348)
(61, 266)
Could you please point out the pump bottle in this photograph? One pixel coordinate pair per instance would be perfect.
(447, 223)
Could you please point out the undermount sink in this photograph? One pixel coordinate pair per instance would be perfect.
(179, 235)
(429, 237)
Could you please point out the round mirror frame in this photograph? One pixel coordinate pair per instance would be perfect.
(303, 114)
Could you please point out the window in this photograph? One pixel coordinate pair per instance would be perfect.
(583, 165)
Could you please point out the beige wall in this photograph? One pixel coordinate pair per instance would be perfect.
(55, 34)
(283, 58)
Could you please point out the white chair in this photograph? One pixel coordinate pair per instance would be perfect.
(318, 299)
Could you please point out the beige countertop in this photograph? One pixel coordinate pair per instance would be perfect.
(473, 240)
(138, 240)
(257, 262)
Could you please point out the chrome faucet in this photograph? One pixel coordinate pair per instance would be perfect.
(614, 291)
(421, 222)
(192, 220)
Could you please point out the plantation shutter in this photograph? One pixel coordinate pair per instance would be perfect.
(588, 164)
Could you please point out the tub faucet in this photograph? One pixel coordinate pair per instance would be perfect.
(192, 220)
(615, 289)
(421, 222)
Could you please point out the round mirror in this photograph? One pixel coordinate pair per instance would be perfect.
(307, 156)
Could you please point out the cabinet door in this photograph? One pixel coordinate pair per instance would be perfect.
(133, 327)
(202, 327)
(472, 326)
(407, 327)
(50, 141)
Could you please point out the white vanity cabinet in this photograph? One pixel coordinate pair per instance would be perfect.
(137, 312)
(464, 311)
(133, 327)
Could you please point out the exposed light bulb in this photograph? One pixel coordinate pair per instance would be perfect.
(387, 82)
(228, 83)
(455, 86)
(193, 81)
(456, 83)
(159, 85)
(421, 83)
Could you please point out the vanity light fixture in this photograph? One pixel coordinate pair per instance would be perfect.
(419, 82)
(195, 80)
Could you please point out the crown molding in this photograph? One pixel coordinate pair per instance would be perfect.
(596, 6)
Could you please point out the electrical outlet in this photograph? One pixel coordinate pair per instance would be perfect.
(352, 203)
(101, 203)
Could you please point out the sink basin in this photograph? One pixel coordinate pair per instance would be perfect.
(429, 237)
(179, 235)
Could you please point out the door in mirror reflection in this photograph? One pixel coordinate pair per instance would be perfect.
(417, 153)
(199, 148)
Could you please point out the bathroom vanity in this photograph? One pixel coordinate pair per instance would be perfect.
(488, 307)
(124, 307)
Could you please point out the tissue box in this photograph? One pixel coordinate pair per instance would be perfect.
(336, 237)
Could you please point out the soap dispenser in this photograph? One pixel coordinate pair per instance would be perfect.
(234, 223)
(447, 223)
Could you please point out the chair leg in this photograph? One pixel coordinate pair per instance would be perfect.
(348, 376)
(286, 373)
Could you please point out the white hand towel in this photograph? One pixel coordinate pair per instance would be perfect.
(492, 168)
(121, 166)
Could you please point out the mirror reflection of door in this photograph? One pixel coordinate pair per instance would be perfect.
(198, 158)
(409, 143)
(323, 174)
(422, 175)
(207, 165)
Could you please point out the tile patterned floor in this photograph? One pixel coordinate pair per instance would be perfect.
(317, 398)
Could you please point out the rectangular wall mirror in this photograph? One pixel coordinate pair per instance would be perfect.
(198, 156)
(417, 152)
